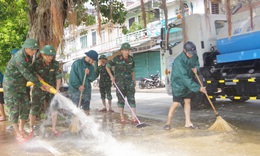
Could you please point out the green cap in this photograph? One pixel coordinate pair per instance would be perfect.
(126, 46)
(103, 57)
(48, 50)
(31, 44)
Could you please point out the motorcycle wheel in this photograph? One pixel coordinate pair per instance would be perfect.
(157, 85)
(148, 85)
(141, 86)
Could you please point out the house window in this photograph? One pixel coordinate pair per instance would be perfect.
(94, 38)
(131, 21)
(83, 41)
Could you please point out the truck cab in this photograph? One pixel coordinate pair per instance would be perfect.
(200, 29)
(229, 54)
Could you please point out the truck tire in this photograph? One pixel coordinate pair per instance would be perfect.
(198, 101)
(239, 100)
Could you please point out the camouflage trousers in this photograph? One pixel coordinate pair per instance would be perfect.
(128, 90)
(19, 106)
(105, 92)
(38, 98)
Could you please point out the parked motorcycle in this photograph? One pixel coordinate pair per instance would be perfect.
(150, 82)
(142, 83)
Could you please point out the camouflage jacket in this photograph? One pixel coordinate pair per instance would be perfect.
(104, 76)
(18, 72)
(50, 73)
(123, 68)
(76, 78)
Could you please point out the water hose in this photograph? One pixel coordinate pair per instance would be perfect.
(52, 89)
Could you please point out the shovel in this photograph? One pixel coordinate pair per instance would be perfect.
(139, 125)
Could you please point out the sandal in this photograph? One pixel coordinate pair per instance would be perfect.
(56, 133)
(134, 121)
(167, 127)
(103, 110)
(27, 135)
(123, 121)
(21, 139)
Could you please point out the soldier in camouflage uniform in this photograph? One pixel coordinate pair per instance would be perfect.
(79, 68)
(48, 69)
(104, 84)
(17, 73)
(124, 78)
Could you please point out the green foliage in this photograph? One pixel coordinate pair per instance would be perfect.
(139, 25)
(118, 11)
(135, 27)
(13, 28)
(82, 16)
(124, 30)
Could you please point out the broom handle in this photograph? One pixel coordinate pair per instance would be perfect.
(81, 93)
(127, 103)
(215, 111)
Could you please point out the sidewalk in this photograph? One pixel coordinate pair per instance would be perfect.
(137, 89)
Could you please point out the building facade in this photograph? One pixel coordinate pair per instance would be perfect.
(146, 41)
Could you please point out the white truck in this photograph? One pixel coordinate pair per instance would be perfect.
(229, 65)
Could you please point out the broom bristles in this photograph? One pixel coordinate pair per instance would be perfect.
(74, 127)
(221, 125)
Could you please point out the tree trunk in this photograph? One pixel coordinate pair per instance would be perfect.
(46, 20)
(165, 10)
(143, 13)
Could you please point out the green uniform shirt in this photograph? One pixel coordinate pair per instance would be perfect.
(18, 72)
(50, 73)
(76, 78)
(104, 76)
(123, 68)
(181, 76)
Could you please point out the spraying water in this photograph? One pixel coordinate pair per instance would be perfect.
(91, 136)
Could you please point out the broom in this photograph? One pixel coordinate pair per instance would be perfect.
(220, 124)
(75, 122)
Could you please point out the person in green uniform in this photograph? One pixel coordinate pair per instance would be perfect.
(17, 73)
(104, 84)
(79, 68)
(48, 69)
(183, 69)
(124, 78)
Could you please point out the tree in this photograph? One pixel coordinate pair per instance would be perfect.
(14, 28)
(47, 19)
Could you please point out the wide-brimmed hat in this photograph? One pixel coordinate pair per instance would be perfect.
(126, 46)
(48, 50)
(92, 54)
(31, 44)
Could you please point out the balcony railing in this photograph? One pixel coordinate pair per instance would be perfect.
(114, 45)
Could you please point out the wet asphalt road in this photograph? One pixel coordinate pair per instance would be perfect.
(115, 139)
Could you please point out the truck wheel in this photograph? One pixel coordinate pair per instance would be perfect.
(239, 100)
(198, 101)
